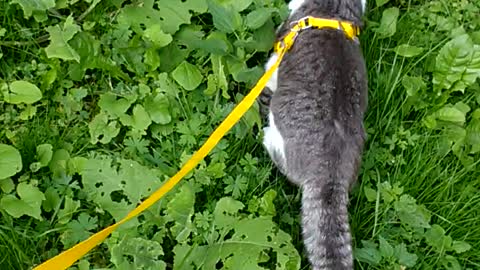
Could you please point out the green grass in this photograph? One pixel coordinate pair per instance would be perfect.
(416, 202)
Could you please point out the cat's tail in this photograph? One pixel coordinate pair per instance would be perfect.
(326, 229)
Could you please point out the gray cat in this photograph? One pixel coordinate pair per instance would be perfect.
(316, 103)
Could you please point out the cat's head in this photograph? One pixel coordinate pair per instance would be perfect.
(295, 5)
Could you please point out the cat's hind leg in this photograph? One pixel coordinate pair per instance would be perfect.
(274, 143)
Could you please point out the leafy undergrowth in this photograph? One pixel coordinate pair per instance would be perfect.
(102, 101)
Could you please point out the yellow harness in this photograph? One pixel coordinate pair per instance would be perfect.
(70, 256)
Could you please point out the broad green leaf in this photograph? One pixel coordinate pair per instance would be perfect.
(404, 257)
(473, 134)
(58, 163)
(450, 263)
(44, 154)
(412, 214)
(52, 199)
(78, 230)
(59, 37)
(385, 248)
(113, 106)
(180, 209)
(370, 194)
(140, 120)
(187, 75)
(30, 6)
(137, 181)
(237, 5)
(29, 203)
(225, 18)
(137, 253)
(7, 185)
(69, 209)
(100, 180)
(258, 17)
(102, 130)
(22, 92)
(413, 84)
(170, 15)
(406, 50)
(436, 238)
(155, 34)
(28, 112)
(10, 161)
(457, 65)
(245, 248)
(368, 253)
(158, 107)
(381, 2)
(267, 206)
(388, 23)
(450, 114)
(461, 246)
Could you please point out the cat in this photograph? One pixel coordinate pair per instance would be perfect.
(316, 102)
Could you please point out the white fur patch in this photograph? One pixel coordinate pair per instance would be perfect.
(272, 82)
(273, 140)
(294, 5)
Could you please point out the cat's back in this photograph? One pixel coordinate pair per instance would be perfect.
(322, 79)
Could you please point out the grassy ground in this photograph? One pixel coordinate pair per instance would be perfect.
(416, 203)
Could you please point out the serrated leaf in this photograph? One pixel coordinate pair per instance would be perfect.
(140, 120)
(187, 75)
(29, 203)
(169, 14)
(450, 263)
(413, 84)
(225, 18)
(29, 6)
(22, 92)
(158, 107)
(386, 250)
(10, 161)
(59, 37)
(412, 214)
(370, 194)
(368, 253)
(258, 17)
(436, 238)
(102, 130)
(406, 50)
(100, 180)
(404, 257)
(180, 209)
(243, 250)
(113, 106)
(137, 253)
(155, 34)
(138, 181)
(388, 23)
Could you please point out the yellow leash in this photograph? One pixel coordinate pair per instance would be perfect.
(70, 256)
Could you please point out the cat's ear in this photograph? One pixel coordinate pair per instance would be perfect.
(294, 5)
